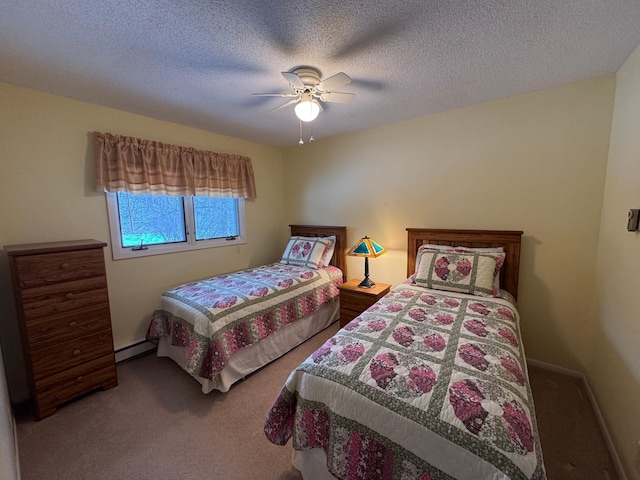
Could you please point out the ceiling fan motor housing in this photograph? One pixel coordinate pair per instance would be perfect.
(309, 90)
(308, 75)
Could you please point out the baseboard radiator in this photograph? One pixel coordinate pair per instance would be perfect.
(133, 350)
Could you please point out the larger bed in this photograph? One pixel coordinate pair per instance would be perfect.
(429, 383)
(223, 328)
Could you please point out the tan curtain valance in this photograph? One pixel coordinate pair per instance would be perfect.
(127, 164)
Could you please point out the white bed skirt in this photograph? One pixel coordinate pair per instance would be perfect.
(312, 464)
(251, 358)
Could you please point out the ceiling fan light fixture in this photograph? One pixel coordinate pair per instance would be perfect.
(307, 109)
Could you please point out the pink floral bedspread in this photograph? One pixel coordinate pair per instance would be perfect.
(216, 317)
(424, 385)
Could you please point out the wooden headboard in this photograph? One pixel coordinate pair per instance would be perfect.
(508, 239)
(340, 254)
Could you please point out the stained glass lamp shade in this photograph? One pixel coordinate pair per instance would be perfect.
(367, 248)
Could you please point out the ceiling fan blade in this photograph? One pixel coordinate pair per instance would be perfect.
(290, 102)
(274, 94)
(336, 81)
(337, 97)
(294, 80)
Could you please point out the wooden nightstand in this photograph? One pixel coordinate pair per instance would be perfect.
(354, 300)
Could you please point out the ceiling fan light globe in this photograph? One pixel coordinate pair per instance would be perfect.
(307, 110)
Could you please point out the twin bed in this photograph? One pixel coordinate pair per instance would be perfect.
(221, 329)
(429, 383)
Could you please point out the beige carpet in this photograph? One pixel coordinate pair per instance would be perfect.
(572, 444)
(157, 424)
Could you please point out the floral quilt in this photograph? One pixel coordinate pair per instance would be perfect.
(216, 317)
(424, 385)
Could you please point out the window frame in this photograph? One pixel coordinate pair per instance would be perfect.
(120, 253)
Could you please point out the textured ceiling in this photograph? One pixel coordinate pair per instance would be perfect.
(196, 62)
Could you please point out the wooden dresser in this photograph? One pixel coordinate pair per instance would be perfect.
(63, 308)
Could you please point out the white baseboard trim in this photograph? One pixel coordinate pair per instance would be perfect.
(555, 368)
(133, 350)
(617, 464)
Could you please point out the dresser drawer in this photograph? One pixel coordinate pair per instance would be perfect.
(48, 268)
(64, 297)
(56, 389)
(63, 356)
(47, 331)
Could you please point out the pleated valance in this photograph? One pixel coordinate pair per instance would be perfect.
(127, 164)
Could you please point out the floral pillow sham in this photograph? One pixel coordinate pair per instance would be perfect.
(328, 253)
(449, 248)
(306, 251)
(459, 270)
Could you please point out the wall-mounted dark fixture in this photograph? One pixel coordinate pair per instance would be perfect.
(634, 219)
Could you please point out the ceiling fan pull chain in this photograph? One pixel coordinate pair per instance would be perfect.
(301, 142)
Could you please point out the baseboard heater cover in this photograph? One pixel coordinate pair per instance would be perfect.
(133, 350)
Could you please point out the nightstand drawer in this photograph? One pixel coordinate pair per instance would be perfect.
(355, 303)
(354, 300)
(346, 316)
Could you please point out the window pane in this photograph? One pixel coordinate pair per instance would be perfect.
(215, 217)
(151, 219)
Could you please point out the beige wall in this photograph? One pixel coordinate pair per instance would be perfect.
(533, 162)
(615, 371)
(47, 194)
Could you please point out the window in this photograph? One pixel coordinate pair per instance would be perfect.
(143, 224)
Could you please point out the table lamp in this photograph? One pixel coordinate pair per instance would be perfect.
(367, 248)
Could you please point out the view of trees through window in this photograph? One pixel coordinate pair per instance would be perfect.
(215, 217)
(159, 219)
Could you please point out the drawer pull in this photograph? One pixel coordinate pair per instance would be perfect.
(69, 296)
(76, 351)
(73, 324)
(65, 266)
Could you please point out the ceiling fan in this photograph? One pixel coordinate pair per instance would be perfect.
(309, 90)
